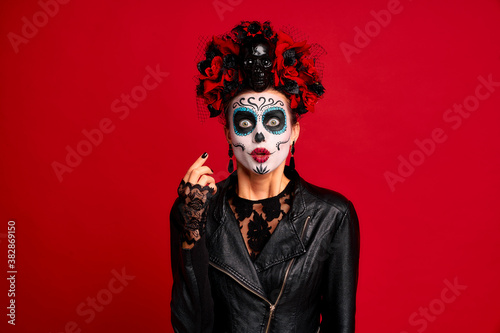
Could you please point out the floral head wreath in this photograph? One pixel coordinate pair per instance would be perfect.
(225, 70)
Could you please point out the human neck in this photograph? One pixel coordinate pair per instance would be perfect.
(252, 186)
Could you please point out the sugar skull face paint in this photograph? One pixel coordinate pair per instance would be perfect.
(260, 130)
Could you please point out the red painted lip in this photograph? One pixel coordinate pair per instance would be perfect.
(260, 155)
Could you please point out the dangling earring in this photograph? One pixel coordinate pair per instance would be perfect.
(292, 160)
(230, 167)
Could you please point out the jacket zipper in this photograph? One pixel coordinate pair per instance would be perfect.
(272, 307)
(240, 283)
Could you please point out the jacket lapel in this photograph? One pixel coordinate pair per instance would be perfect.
(228, 251)
(283, 245)
(226, 247)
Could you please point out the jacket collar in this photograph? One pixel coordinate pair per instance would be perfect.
(228, 250)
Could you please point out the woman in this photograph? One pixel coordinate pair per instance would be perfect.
(263, 250)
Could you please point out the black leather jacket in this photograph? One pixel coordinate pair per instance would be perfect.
(308, 268)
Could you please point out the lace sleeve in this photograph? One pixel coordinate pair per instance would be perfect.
(193, 208)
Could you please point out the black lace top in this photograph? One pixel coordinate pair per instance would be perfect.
(259, 218)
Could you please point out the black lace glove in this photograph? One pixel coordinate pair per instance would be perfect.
(193, 208)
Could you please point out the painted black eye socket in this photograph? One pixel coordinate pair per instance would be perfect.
(244, 122)
(275, 121)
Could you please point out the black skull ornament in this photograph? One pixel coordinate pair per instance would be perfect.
(258, 57)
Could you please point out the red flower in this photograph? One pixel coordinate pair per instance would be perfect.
(229, 74)
(213, 92)
(286, 42)
(309, 74)
(289, 72)
(283, 44)
(294, 101)
(309, 98)
(226, 46)
(212, 72)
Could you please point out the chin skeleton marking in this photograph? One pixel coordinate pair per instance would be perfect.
(261, 170)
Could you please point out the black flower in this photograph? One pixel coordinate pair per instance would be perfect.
(229, 61)
(211, 52)
(267, 31)
(301, 109)
(230, 86)
(203, 65)
(291, 87)
(243, 209)
(254, 27)
(213, 111)
(258, 233)
(317, 88)
(289, 57)
(272, 209)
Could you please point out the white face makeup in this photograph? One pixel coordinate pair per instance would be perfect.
(260, 130)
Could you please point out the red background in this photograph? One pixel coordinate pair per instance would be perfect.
(111, 212)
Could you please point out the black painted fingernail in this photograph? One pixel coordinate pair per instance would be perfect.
(204, 155)
(211, 170)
